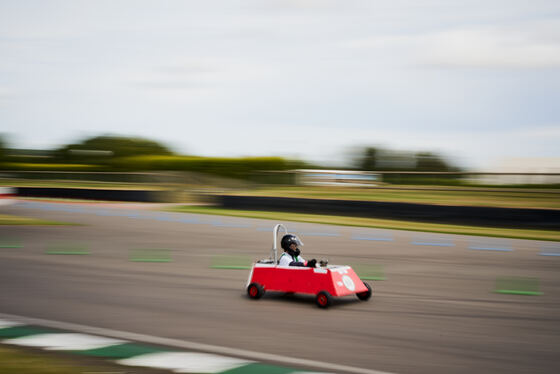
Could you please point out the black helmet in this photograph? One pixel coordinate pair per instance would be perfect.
(288, 240)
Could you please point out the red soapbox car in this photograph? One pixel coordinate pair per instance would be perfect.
(325, 281)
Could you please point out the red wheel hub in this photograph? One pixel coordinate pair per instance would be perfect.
(253, 291)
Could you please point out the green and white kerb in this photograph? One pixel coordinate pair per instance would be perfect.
(130, 353)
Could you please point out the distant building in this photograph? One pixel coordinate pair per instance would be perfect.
(317, 177)
(537, 170)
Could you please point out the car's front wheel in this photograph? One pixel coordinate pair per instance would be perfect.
(366, 294)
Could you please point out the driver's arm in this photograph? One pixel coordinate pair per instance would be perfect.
(297, 263)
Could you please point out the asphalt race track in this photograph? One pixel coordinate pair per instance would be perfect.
(435, 312)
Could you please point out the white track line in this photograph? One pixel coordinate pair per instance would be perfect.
(64, 342)
(186, 362)
(4, 324)
(251, 355)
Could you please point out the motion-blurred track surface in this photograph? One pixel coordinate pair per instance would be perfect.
(434, 313)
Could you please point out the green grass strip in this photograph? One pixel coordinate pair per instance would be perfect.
(519, 292)
(67, 252)
(150, 255)
(548, 235)
(24, 361)
(122, 351)
(381, 278)
(518, 285)
(259, 369)
(67, 248)
(235, 267)
(6, 219)
(369, 272)
(21, 331)
(150, 259)
(231, 262)
(11, 246)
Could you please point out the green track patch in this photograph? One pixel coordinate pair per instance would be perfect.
(9, 243)
(231, 262)
(67, 253)
(369, 272)
(518, 286)
(518, 292)
(67, 249)
(8, 219)
(150, 255)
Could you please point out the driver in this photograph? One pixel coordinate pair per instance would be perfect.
(291, 255)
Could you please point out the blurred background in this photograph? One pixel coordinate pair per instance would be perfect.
(426, 131)
(239, 90)
(121, 163)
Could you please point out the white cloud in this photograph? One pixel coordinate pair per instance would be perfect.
(550, 132)
(518, 45)
(6, 95)
(473, 149)
(495, 48)
(180, 76)
(198, 74)
(232, 79)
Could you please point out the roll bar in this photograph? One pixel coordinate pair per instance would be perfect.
(275, 239)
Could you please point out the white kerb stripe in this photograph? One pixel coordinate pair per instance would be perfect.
(186, 362)
(4, 324)
(65, 342)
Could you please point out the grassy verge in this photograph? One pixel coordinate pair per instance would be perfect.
(548, 235)
(463, 196)
(8, 219)
(22, 361)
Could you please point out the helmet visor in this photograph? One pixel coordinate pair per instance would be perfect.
(297, 241)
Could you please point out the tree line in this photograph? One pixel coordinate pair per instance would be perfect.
(114, 153)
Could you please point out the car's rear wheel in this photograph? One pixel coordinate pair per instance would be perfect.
(255, 291)
(323, 299)
(366, 294)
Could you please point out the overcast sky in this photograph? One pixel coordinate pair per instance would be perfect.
(477, 80)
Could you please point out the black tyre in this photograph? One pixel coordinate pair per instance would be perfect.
(323, 299)
(255, 291)
(366, 294)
